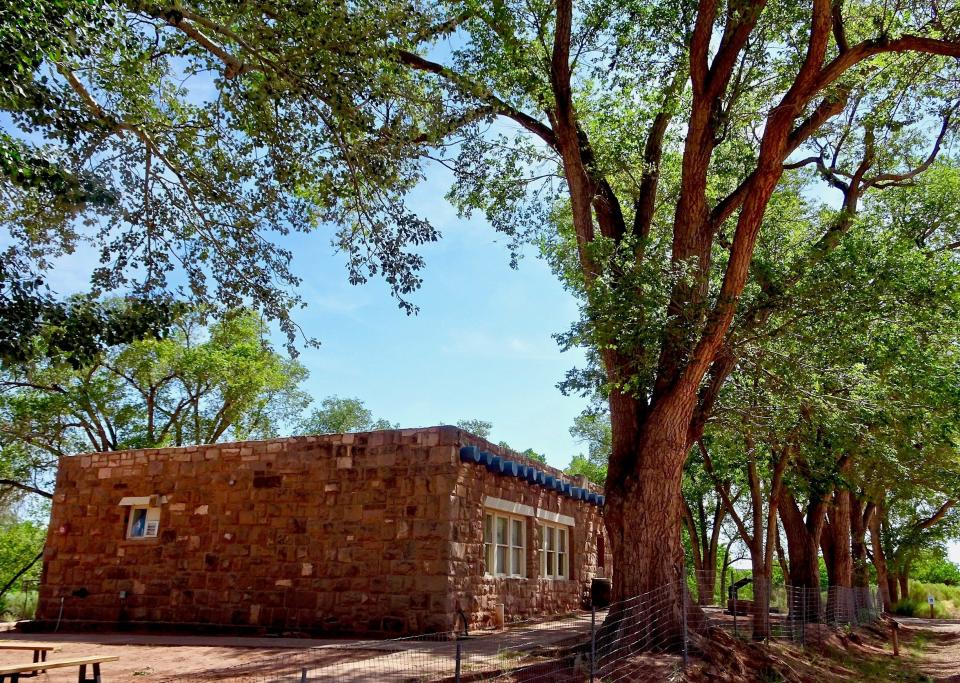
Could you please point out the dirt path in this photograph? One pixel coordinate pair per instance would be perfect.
(937, 642)
(157, 658)
(168, 658)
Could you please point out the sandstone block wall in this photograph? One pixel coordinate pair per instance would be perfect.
(341, 533)
(376, 532)
(523, 598)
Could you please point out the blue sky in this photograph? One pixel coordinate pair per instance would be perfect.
(480, 346)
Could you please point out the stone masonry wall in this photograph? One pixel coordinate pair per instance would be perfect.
(523, 598)
(339, 533)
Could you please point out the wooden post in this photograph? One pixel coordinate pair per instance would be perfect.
(895, 633)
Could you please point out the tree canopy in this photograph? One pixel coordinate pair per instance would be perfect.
(661, 151)
(341, 415)
(201, 384)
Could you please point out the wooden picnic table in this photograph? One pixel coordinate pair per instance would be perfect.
(14, 672)
(40, 650)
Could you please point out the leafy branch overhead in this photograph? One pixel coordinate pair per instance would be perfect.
(652, 147)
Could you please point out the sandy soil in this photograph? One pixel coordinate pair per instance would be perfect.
(163, 658)
(929, 647)
(940, 655)
(171, 658)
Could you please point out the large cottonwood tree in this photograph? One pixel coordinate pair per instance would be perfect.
(652, 134)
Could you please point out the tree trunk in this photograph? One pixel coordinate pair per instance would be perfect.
(706, 586)
(803, 546)
(782, 559)
(892, 584)
(859, 517)
(880, 563)
(704, 548)
(700, 574)
(858, 543)
(903, 579)
(761, 594)
(835, 540)
(723, 573)
(643, 517)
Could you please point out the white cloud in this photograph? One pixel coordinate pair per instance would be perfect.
(475, 343)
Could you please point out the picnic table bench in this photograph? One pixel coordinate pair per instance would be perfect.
(13, 672)
(40, 650)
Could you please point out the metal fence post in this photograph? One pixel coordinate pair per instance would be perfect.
(593, 641)
(303, 675)
(766, 612)
(683, 609)
(803, 621)
(456, 673)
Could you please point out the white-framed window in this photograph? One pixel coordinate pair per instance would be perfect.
(143, 522)
(504, 544)
(554, 551)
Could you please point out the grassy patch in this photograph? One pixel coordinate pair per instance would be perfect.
(946, 601)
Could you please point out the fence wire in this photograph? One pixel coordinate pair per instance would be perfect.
(646, 637)
(758, 609)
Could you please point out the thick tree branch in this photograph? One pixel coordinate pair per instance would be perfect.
(700, 45)
(178, 19)
(839, 32)
(468, 87)
(645, 204)
(571, 140)
(938, 515)
(25, 487)
(724, 494)
(20, 573)
(876, 46)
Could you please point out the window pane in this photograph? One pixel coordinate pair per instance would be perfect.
(501, 530)
(543, 563)
(562, 540)
(488, 529)
(516, 538)
(562, 564)
(551, 541)
(551, 563)
(501, 560)
(139, 524)
(515, 565)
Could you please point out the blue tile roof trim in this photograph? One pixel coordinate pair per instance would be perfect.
(508, 468)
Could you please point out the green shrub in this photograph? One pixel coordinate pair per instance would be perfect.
(946, 599)
(15, 605)
(906, 607)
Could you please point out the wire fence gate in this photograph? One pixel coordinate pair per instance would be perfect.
(647, 637)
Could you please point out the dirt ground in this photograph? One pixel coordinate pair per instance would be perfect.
(164, 658)
(936, 643)
(930, 652)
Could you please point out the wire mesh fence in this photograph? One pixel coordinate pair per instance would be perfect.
(646, 637)
(759, 609)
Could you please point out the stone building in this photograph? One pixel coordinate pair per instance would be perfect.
(387, 531)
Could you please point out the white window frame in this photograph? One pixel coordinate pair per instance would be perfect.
(555, 553)
(151, 526)
(514, 550)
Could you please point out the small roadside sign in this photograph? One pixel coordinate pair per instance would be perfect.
(930, 600)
